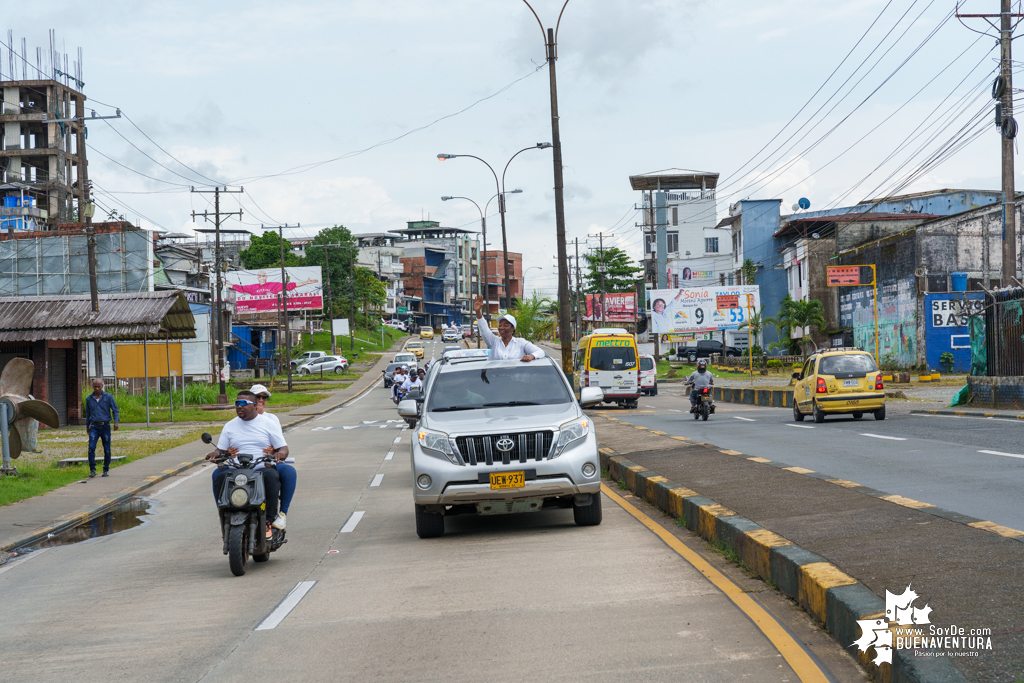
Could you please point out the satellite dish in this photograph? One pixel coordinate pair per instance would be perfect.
(796, 207)
(804, 203)
(815, 235)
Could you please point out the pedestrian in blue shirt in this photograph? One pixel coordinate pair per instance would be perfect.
(100, 413)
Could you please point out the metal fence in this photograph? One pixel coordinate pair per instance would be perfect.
(1004, 332)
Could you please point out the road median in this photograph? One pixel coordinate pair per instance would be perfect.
(836, 547)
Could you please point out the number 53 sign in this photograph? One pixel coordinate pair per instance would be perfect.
(702, 309)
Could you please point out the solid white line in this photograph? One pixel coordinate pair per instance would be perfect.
(390, 455)
(290, 602)
(377, 479)
(799, 426)
(1008, 455)
(202, 468)
(890, 438)
(350, 525)
(745, 419)
(21, 560)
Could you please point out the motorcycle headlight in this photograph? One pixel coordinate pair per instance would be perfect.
(239, 497)
(571, 432)
(241, 480)
(436, 442)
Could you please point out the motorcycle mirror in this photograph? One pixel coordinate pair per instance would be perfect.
(207, 438)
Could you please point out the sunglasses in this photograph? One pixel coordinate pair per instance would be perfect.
(241, 403)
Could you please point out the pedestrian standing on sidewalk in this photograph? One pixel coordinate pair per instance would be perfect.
(100, 413)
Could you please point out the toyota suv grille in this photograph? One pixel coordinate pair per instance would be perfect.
(491, 448)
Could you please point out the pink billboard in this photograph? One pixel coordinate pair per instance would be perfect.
(616, 307)
(259, 291)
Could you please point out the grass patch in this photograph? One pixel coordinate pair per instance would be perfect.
(681, 522)
(622, 484)
(366, 341)
(604, 472)
(729, 553)
(133, 407)
(40, 473)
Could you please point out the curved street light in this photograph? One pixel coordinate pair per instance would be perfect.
(500, 187)
(524, 276)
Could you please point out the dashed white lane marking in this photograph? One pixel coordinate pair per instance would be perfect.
(799, 426)
(202, 468)
(398, 439)
(390, 455)
(1008, 455)
(882, 436)
(368, 391)
(21, 560)
(745, 419)
(377, 479)
(350, 525)
(289, 603)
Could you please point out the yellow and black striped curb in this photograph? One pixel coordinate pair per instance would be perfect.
(968, 413)
(832, 597)
(768, 398)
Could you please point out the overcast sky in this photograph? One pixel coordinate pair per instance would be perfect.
(244, 91)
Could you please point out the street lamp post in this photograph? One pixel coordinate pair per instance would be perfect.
(551, 54)
(524, 276)
(500, 186)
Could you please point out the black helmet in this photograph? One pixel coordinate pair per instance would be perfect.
(702, 363)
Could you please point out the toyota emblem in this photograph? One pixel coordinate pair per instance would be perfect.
(505, 444)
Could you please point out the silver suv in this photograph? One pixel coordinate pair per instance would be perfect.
(500, 437)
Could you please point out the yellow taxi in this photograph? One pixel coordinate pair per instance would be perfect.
(415, 347)
(426, 332)
(840, 382)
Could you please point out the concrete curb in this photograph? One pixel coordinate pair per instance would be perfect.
(968, 413)
(103, 505)
(833, 598)
(767, 398)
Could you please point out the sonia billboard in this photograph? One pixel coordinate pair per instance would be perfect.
(702, 309)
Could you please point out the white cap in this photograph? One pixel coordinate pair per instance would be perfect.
(510, 318)
(260, 389)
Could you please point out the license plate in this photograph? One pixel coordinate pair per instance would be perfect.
(508, 480)
(851, 383)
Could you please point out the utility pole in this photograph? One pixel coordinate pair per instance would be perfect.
(352, 302)
(85, 212)
(1002, 90)
(222, 398)
(283, 301)
(579, 292)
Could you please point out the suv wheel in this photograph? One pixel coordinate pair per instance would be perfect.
(588, 515)
(428, 524)
(692, 358)
(819, 414)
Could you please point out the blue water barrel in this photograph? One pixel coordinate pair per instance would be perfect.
(11, 201)
(959, 281)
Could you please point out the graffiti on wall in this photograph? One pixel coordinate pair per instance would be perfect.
(897, 320)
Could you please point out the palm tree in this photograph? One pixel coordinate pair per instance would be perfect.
(803, 315)
(784, 322)
(534, 317)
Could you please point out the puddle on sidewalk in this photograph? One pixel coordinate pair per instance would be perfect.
(128, 515)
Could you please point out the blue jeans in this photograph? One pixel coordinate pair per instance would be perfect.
(289, 478)
(97, 432)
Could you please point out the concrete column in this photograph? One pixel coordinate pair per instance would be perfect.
(661, 237)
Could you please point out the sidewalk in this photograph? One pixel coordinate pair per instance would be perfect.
(968, 571)
(29, 520)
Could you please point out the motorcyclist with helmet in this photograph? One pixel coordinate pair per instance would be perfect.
(699, 379)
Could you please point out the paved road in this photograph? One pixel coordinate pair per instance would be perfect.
(970, 465)
(499, 599)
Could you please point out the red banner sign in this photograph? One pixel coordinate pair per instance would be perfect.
(843, 275)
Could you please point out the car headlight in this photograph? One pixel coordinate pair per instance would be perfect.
(436, 442)
(239, 497)
(570, 432)
(241, 480)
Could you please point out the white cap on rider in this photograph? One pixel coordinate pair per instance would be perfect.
(510, 318)
(260, 389)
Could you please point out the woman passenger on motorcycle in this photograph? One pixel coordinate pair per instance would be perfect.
(289, 477)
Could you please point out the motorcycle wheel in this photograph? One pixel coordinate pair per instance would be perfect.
(704, 412)
(261, 558)
(238, 555)
(696, 413)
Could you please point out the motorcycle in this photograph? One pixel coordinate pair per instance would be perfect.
(243, 516)
(705, 404)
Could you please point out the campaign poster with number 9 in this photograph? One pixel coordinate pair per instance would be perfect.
(702, 309)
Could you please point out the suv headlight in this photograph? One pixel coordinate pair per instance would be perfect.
(436, 442)
(571, 432)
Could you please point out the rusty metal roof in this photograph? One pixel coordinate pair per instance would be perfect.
(122, 317)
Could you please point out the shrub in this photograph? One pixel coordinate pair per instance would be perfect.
(775, 363)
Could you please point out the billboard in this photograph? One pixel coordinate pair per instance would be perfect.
(702, 309)
(257, 291)
(616, 308)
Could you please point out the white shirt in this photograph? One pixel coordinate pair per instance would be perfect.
(410, 384)
(515, 350)
(276, 420)
(251, 436)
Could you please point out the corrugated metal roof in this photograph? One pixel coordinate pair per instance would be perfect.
(122, 317)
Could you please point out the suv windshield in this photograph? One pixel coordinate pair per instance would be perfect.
(856, 364)
(613, 358)
(646, 363)
(497, 387)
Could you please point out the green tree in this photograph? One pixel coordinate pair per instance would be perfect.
(324, 250)
(265, 252)
(620, 274)
(798, 315)
(535, 317)
(755, 322)
(371, 293)
(749, 271)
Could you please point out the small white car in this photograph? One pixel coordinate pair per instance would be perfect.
(451, 334)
